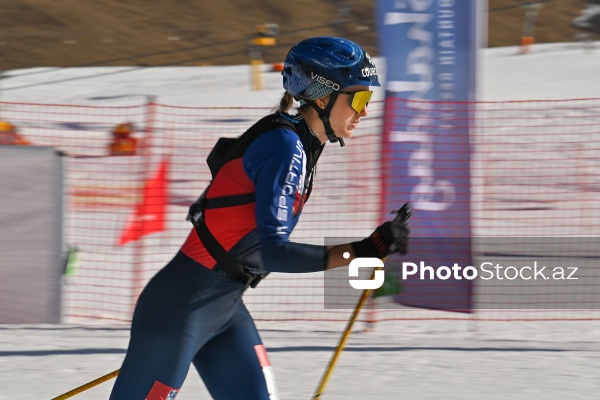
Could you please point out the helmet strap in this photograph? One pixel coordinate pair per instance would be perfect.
(324, 117)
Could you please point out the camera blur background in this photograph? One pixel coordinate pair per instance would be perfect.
(68, 33)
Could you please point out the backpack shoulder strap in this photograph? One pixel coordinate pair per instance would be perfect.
(230, 149)
(227, 149)
(264, 125)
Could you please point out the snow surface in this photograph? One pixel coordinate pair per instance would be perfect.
(550, 71)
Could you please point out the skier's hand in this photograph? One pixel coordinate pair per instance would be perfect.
(389, 237)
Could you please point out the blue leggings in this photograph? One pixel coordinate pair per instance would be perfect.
(189, 314)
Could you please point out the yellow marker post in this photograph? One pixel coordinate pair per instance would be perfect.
(257, 80)
(265, 36)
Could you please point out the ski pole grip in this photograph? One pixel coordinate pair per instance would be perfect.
(404, 213)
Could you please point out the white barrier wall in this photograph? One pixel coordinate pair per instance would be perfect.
(31, 219)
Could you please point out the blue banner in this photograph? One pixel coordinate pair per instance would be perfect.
(430, 50)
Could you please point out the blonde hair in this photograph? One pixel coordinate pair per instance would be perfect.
(285, 104)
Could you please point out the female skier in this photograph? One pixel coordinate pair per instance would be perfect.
(191, 311)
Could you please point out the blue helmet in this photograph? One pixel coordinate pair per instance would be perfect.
(332, 62)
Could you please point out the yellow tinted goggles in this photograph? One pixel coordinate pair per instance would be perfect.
(358, 100)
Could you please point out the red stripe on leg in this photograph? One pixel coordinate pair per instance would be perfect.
(160, 391)
(261, 353)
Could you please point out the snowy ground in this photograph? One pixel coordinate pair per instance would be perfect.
(398, 360)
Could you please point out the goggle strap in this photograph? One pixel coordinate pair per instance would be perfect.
(324, 117)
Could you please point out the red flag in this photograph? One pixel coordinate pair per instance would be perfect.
(149, 215)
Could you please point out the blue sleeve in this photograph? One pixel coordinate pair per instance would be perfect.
(276, 163)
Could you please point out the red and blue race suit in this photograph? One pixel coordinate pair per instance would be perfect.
(191, 312)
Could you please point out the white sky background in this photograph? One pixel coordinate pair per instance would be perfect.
(404, 359)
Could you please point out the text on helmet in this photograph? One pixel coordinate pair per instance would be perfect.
(366, 72)
(324, 81)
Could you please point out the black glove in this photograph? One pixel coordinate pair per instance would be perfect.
(390, 237)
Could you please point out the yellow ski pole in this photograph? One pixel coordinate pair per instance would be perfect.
(404, 214)
(342, 342)
(87, 386)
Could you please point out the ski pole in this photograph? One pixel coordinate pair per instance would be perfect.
(340, 346)
(404, 213)
(87, 386)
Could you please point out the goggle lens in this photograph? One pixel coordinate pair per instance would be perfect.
(359, 100)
